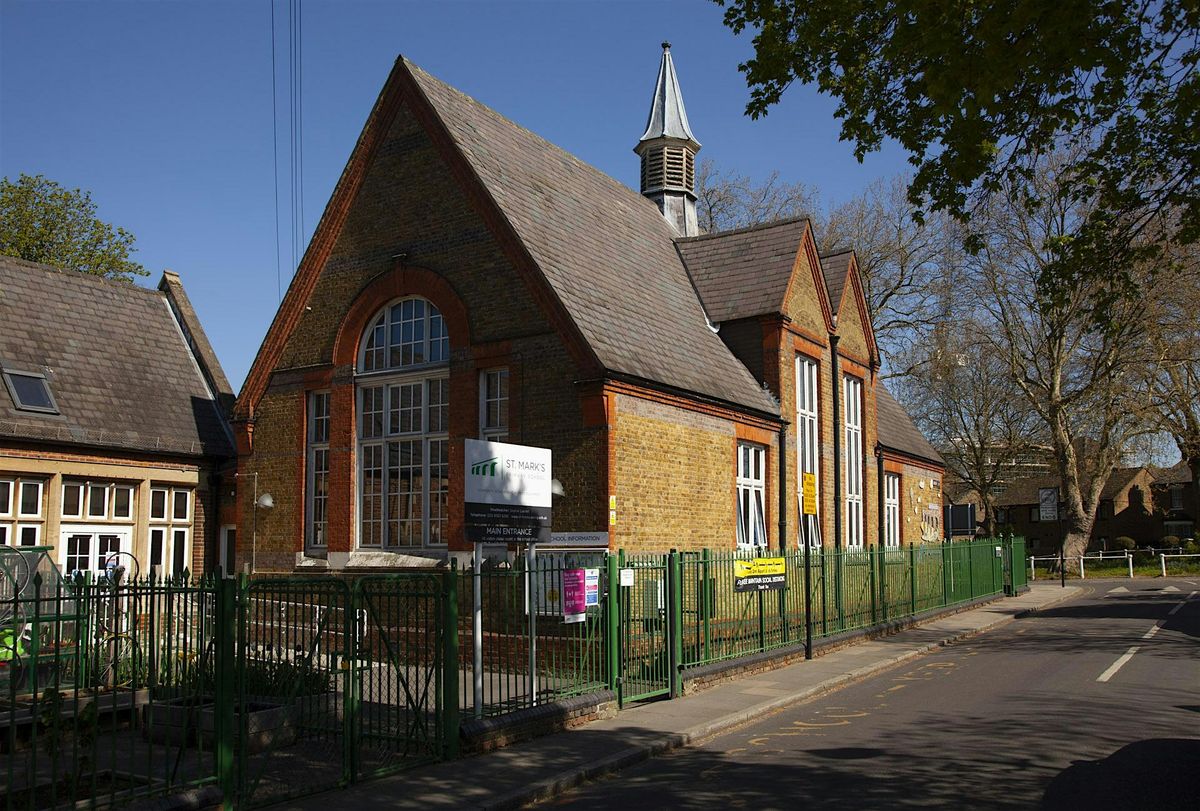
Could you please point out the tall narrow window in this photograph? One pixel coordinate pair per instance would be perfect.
(403, 427)
(891, 510)
(854, 462)
(170, 530)
(751, 496)
(97, 501)
(808, 451)
(6, 498)
(21, 499)
(493, 405)
(318, 468)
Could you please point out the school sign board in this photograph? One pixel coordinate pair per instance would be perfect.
(759, 574)
(507, 492)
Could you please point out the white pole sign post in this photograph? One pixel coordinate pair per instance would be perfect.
(506, 500)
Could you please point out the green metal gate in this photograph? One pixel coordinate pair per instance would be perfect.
(646, 665)
(335, 683)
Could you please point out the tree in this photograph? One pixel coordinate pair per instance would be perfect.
(964, 400)
(1084, 379)
(1170, 316)
(727, 200)
(907, 267)
(979, 93)
(41, 221)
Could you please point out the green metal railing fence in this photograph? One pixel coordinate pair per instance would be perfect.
(568, 657)
(115, 688)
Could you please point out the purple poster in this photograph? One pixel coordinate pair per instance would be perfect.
(574, 591)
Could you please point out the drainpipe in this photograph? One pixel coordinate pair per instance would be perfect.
(837, 442)
(783, 487)
(880, 491)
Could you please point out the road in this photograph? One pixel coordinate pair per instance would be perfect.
(1092, 704)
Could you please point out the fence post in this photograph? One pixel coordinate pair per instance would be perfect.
(945, 573)
(225, 631)
(449, 697)
(1129, 560)
(1162, 558)
(612, 630)
(706, 599)
(912, 578)
(675, 621)
(871, 580)
(1082, 576)
(883, 575)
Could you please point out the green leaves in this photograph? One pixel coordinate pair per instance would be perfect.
(40, 221)
(980, 94)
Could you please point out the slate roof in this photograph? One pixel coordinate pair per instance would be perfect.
(836, 267)
(116, 359)
(606, 251)
(745, 272)
(896, 429)
(1024, 491)
(1179, 473)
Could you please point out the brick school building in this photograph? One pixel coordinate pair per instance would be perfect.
(468, 279)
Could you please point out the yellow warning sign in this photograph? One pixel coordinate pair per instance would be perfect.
(809, 489)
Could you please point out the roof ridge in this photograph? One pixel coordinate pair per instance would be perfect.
(762, 226)
(838, 252)
(86, 278)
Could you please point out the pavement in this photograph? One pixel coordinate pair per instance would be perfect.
(544, 767)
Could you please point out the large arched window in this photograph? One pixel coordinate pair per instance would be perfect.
(403, 420)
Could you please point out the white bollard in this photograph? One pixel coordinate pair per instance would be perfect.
(1162, 557)
(1081, 574)
(1129, 558)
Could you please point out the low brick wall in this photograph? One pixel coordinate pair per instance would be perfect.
(481, 735)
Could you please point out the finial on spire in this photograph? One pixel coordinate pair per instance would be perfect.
(666, 45)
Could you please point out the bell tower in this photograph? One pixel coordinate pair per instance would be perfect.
(668, 152)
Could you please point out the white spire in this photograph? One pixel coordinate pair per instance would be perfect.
(668, 117)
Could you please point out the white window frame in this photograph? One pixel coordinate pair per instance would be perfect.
(6, 506)
(90, 488)
(226, 554)
(852, 403)
(80, 486)
(166, 495)
(5, 534)
(176, 531)
(116, 488)
(319, 423)
(401, 422)
(891, 510)
(41, 492)
(95, 557)
(751, 496)
(176, 492)
(37, 535)
(1176, 497)
(498, 431)
(808, 429)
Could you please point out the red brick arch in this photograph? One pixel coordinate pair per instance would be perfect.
(400, 282)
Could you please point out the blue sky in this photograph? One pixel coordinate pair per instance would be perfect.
(163, 111)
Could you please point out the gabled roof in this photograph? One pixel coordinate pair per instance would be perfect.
(117, 361)
(745, 272)
(1179, 473)
(836, 267)
(604, 254)
(897, 431)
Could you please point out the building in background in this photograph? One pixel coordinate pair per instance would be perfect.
(468, 279)
(112, 422)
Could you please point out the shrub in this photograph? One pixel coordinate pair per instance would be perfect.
(1191, 548)
(1124, 542)
(1168, 542)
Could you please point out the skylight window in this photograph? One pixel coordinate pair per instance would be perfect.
(30, 391)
